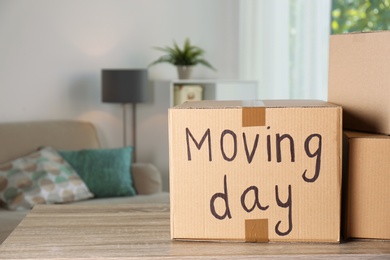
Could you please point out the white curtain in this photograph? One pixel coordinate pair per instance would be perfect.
(284, 46)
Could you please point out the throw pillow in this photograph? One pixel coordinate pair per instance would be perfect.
(106, 172)
(42, 177)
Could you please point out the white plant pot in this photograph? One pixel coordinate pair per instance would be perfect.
(184, 72)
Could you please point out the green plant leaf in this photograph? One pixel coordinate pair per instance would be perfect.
(162, 59)
(206, 63)
(188, 56)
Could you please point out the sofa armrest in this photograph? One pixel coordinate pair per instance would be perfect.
(146, 178)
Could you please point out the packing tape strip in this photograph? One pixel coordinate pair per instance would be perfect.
(253, 116)
(253, 113)
(256, 230)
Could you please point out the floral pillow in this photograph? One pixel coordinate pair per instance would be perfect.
(42, 177)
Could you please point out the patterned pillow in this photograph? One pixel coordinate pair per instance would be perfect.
(42, 177)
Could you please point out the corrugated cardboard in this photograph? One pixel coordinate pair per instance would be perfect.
(238, 169)
(359, 79)
(368, 194)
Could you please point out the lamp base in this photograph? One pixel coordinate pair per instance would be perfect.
(124, 107)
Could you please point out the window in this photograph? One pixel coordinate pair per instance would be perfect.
(360, 15)
(284, 46)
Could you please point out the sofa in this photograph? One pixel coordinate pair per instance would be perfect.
(18, 139)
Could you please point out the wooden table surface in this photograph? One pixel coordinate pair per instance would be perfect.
(142, 231)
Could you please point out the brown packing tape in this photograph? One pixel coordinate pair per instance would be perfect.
(256, 230)
(253, 116)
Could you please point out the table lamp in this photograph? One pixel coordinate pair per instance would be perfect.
(125, 86)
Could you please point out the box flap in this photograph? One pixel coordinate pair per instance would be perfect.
(232, 104)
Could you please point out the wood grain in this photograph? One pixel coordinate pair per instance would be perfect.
(142, 231)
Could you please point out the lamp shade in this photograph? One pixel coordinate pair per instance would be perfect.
(124, 85)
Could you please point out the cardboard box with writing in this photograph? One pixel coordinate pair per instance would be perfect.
(255, 171)
(367, 194)
(359, 79)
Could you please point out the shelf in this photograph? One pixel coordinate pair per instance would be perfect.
(219, 89)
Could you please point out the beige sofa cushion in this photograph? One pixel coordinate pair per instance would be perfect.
(146, 178)
(19, 139)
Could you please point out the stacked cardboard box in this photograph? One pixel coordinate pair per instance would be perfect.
(271, 170)
(257, 171)
(359, 81)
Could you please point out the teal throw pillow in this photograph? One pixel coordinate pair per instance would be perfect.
(106, 172)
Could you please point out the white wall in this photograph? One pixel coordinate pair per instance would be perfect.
(52, 52)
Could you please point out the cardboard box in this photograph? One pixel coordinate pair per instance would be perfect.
(359, 79)
(255, 171)
(368, 194)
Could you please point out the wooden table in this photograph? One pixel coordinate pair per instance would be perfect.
(142, 231)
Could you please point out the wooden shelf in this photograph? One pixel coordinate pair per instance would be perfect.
(220, 89)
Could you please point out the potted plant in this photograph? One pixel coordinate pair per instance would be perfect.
(184, 59)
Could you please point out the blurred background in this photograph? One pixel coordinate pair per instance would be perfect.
(52, 54)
